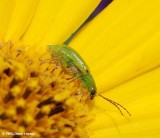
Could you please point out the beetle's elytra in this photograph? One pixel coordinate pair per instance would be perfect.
(72, 60)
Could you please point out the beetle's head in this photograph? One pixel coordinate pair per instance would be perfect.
(92, 93)
(89, 83)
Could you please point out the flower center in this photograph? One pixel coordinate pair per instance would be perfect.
(39, 96)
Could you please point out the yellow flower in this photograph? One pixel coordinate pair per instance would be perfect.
(121, 47)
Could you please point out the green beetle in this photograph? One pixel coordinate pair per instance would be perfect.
(72, 60)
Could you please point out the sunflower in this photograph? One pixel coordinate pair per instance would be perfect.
(40, 98)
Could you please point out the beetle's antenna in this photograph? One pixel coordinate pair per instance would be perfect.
(117, 105)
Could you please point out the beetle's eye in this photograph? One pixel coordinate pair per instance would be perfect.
(92, 94)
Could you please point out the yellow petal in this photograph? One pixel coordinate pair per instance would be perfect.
(6, 9)
(141, 98)
(55, 21)
(122, 42)
(21, 16)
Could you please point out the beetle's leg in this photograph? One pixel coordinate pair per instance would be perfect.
(72, 79)
(77, 94)
(82, 95)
